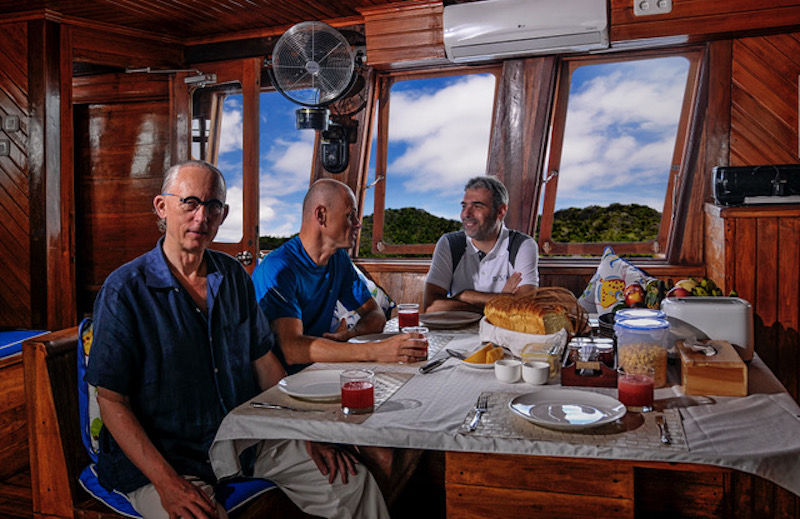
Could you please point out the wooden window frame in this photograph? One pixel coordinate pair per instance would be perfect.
(382, 94)
(549, 182)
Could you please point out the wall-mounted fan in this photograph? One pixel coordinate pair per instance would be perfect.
(314, 65)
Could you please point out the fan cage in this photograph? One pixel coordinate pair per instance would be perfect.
(312, 64)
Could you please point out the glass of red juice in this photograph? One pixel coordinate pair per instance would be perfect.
(407, 315)
(635, 389)
(358, 391)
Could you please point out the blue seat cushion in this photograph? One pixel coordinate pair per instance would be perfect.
(11, 341)
(232, 494)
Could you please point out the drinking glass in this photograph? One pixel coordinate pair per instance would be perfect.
(358, 391)
(423, 333)
(407, 315)
(635, 389)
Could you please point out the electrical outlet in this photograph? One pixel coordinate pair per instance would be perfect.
(11, 123)
(5, 147)
(648, 7)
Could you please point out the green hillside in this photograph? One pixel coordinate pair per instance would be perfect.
(615, 223)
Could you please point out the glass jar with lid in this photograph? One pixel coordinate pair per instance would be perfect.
(641, 344)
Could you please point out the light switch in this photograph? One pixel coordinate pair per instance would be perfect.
(4, 147)
(648, 7)
(11, 123)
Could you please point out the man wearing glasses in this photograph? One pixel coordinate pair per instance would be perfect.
(299, 283)
(179, 341)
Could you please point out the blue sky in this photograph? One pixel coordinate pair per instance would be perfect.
(619, 139)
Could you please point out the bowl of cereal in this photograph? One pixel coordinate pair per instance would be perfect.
(641, 344)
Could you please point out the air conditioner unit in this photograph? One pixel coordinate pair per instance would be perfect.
(492, 29)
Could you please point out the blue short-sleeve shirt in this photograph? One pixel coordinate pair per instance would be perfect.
(183, 370)
(289, 284)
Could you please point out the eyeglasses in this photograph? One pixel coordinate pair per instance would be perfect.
(191, 204)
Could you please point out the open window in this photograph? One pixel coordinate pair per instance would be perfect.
(224, 132)
(433, 134)
(618, 138)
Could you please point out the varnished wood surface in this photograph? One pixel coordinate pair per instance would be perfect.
(122, 151)
(756, 252)
(493, 485)
(702, 19)
(404, 32)
(13, 431)
(764, 100)
(14, 185)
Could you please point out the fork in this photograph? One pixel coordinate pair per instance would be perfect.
(480, 408)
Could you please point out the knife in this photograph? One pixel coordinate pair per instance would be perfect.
(266, 405)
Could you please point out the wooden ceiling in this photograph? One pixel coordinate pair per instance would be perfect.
(193, 21)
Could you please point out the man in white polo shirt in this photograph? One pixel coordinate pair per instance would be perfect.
(471, 266)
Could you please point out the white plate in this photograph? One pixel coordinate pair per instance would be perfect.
(319, 385)
(567, 409)
(475, 364)
(449, 319)
(371, 337)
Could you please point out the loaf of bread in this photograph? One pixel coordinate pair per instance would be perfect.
(525, 314)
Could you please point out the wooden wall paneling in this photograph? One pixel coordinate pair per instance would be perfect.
(701, 19)
(746, 241)
(52, 301)
(764, 118)
(14, 184)
(767, 281)
(13, 424)
(92, 44)
(788, 362)
(121, 152)
(404, 33)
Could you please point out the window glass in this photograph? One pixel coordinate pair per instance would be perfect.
(438, 138)
(618, 155)
(217, 137)
(285, 160)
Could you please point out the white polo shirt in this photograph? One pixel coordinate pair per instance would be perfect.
(484, 275)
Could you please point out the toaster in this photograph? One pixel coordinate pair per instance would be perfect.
(718, 318)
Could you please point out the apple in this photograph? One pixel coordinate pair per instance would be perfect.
(678, 292)
(634, 295)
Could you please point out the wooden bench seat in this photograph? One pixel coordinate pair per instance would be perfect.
(57, 454)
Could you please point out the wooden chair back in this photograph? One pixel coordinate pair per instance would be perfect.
(57, 453)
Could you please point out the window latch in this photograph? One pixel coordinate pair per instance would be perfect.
(551, 176)
(374, 182)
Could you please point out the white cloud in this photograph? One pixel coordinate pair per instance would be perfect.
(231, 132)
(284, 179)
(621, 128)
(446, 133)
(231, 229)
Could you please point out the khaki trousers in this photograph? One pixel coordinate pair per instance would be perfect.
(288, 465)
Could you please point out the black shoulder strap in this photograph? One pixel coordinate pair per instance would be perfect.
(515, 239)
(458, 245)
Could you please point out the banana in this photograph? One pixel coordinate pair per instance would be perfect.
(687, 284)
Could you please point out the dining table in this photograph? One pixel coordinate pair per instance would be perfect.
(758, 434)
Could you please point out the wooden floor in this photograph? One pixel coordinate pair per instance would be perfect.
(15, 497)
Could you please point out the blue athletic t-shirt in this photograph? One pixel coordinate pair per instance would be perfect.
(289, 284)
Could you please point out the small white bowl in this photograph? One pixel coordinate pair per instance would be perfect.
(536, 372)
(507, 370)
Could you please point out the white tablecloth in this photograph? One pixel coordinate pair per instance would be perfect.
(757, 434)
